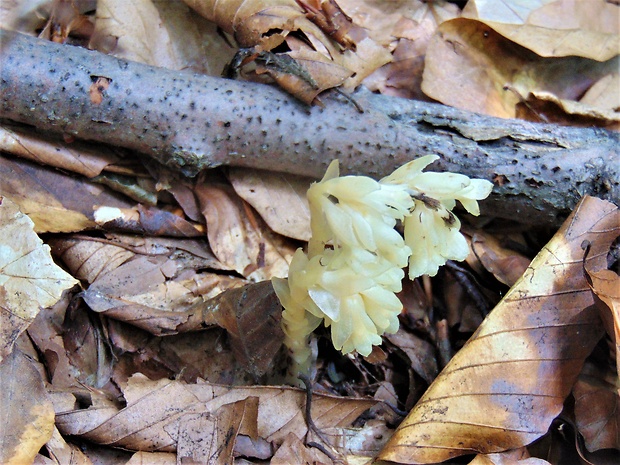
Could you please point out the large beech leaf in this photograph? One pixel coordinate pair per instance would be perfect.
(29, 279)
(504, 387)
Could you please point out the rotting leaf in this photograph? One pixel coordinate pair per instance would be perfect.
(29, 279)
(27, 412)
(504, 387)
(251, 316)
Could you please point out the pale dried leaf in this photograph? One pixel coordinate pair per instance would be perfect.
(48, 151)
(65, 453)
(279, 198)
(27, 412)
(504, 387)
(554, 28)
(604, 93)
(405, 27)
(29, 279)
(153, 458)
(517, 456)
(196, 43)
(137, 30)
(550, 107)
(221, 430)
(22, 16)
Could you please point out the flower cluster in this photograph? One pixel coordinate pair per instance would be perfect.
(354, 266)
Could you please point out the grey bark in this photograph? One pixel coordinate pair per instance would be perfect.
(192, 122)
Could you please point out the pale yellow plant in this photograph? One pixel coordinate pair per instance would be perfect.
(354, 266)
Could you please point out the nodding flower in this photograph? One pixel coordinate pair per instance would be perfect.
(349, 278)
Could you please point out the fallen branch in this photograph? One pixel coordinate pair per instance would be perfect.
(191, 122)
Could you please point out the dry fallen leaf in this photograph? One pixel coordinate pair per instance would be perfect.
(504, 387)
(421, 353)
(153, 458)
(55, 201)
(510, 457)
(293, 450)
(597, 407)
(239, 237)
(140, 292)
(605, 284)
(29, 279)
(279, 198)
(251, 316)
(332, 50)
(471, 66)
(554, 28)
(405, 27)
(136, 32)
(64, 452)
(156, 410)
(160, 33)
(597, 393)
(506, 265)
(27, 413)
(76, 157)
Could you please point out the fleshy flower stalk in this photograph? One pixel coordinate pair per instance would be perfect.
(354, 266)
